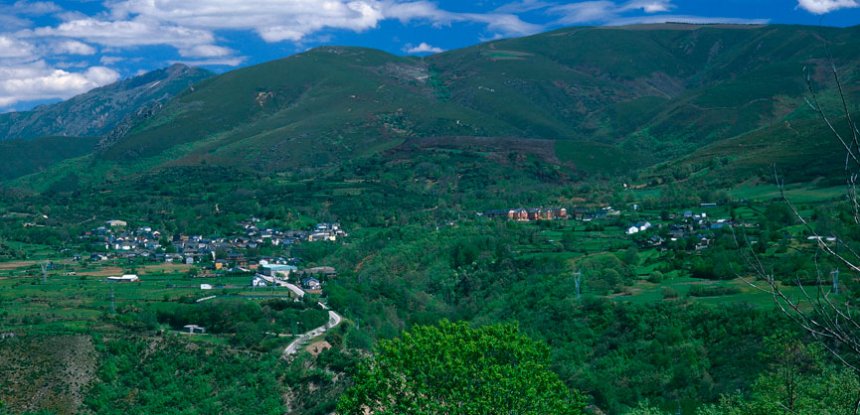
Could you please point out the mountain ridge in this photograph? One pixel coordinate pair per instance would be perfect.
(641, 94)
(97, 112)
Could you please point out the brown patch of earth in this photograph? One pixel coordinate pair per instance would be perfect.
(318, 347)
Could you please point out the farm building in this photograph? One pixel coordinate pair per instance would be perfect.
(125, 278)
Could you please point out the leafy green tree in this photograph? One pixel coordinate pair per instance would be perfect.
(644, 408)
(799, 382)
(452, 368)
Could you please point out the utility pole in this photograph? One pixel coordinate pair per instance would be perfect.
(112, 302)
(577, 279)
(834, 276)
(44, 267)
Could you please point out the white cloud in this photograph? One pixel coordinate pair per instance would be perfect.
(423, 47)
(226, 61)
(205, 51)
(610, 13)
(273, 20)
(10, 22)
(35, 7)
(110, 60)
(601, 11)
(139, 32)
(73, 47)
(37, 80)
(826, 6)
(500, 23)
(14, 48)
(584, 12)
(190, 26)
(523, 6)
(648, 6)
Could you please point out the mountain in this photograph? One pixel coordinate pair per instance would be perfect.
(647, 92)
(22, 157)
(593, 100)
(98, 112)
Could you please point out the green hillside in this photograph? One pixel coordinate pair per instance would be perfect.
(601, 198)
(641, 94)
(22, 157)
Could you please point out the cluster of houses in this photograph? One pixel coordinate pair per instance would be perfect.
(310, 279)
(327, 232)
(683, 226)
(530, 214)
(117, 237)
(119, 240)
(580, 213)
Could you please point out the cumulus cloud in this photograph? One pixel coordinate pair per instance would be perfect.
(189, 25)
(826, 6)
(37, 80)
(25, 76)
(14, 48)
(273, 20)
(73, 47)
(140, 32)
(423, 47)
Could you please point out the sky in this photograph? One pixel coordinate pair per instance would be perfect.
(53, 50)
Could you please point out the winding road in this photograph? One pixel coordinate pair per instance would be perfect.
(333, 320)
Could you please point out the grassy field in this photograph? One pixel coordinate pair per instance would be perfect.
(75, 296)
(748, 291)
(796, 193)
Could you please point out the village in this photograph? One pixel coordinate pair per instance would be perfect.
(240, 253)
(689, 229)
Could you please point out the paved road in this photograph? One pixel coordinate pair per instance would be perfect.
(298, 291)
(333, 320)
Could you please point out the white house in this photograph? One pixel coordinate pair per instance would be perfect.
(125, 278)
(114, 223)
(639, 227)
(193, 328)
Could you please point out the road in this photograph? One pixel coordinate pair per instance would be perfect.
(333, 320)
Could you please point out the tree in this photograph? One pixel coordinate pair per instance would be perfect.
(821, 311)
(452, 368)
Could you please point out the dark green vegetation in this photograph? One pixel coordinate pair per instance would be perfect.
(407, 154)
(615, 100)
(22, 157)
(456, 369)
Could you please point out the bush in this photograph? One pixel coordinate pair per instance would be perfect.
(712, 291)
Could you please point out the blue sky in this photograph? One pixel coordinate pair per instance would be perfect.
(52, 50)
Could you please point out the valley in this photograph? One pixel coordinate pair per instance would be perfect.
(616, 210)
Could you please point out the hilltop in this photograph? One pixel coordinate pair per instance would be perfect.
(589, 100)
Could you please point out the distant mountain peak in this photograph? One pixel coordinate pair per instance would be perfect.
(99, 111)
